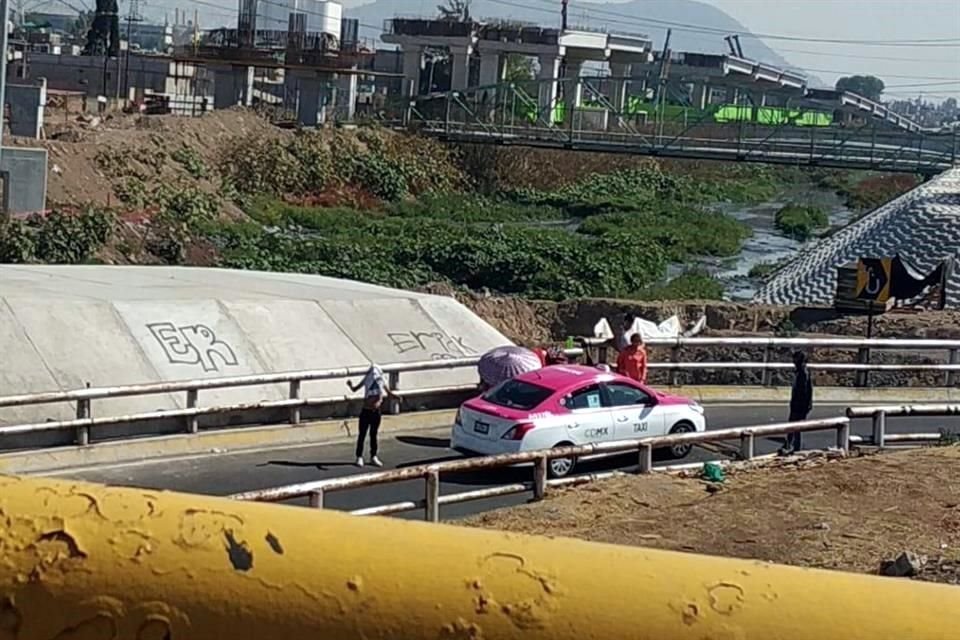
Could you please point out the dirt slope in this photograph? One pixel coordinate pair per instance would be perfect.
(835, 514)
(76, 176)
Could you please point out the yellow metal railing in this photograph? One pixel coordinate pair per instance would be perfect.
(87, 561)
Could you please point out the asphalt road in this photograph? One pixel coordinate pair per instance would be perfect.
(224, 474)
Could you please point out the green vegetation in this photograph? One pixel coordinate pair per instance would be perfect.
(869, 87)
(191, 161)
(408, 252)
(695, 284)
(763, 270)
(404, 211)
(632, 223)
(389, 167)
(800, 222)
(59, 237)
(863, 191)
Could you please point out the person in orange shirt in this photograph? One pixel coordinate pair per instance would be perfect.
(632, 361)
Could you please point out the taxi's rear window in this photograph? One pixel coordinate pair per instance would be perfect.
(516, 394)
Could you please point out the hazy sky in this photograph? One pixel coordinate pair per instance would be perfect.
(865, 20)
(873, 20)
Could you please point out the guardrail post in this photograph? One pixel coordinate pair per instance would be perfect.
(646, 458)
(193, 422)
(674, 372)
(954, 359)
(747, 446)
(843, 437)
(880, 429)
(767, 376)
(540, 478)
(295, 395)
(394, 382)
(316, 499)
(432, 507)
(863, 357)
(83, 413)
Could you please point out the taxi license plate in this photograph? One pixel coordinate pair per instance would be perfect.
(481, 427)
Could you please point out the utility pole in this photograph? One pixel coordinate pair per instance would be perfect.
(133, 15)
(563, 14)
(4, 43)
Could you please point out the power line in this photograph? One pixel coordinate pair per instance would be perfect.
(282, 6)
(769, 36)
(861, 57)
(692, 28)
(885, 75)
(925, 84)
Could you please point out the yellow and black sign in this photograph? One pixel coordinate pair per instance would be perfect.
(873, 279)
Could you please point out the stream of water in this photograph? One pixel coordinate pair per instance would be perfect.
(766, 245)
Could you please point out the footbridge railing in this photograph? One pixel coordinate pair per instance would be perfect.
(85, 560)
(293, 406)
(593, 114)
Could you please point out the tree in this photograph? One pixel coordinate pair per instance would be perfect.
(103, 38)
(869, 87)
(518, 68)
(82, 25)
(455, 11)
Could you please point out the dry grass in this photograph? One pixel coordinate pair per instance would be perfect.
(836, 514)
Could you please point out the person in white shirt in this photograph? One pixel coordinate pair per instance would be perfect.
(375, 388)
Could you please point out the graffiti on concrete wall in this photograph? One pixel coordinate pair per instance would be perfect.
(193, 345)
(432, 345)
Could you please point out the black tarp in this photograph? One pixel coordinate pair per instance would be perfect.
(907, 282)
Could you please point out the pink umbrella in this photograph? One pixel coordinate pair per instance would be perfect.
(503, 363)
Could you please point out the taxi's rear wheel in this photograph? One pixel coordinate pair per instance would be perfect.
(561, 467)
(680, 451)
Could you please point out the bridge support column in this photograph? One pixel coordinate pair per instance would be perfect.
(308, 100)
(460, 67)
(619, 71)
(572, 88)
(232, 86)
(251, 73)
(638, 83)
(547, 99)
(701, 96)
(412, 65)
(347, 96)
(491, 68)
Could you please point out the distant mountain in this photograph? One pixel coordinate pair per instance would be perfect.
(636, 16)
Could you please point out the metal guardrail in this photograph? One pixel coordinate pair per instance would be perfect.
(430, 473)
(316, 491)
(296, 402)
(244, 571)
(879, 414)
(862, 367)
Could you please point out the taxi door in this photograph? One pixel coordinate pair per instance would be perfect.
(590, 419)
(634, 411)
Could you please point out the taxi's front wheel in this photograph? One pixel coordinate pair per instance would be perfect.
(561, 467)
(680, 451)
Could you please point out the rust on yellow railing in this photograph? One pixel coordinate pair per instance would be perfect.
(89, 562)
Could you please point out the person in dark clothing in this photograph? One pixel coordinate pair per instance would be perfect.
(801, 400)
(375, 389)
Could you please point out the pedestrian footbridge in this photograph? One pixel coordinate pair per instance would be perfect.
(814, 128)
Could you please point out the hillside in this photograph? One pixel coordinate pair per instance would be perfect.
(638, 16)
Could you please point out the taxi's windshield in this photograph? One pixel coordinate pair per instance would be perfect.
(516, 394)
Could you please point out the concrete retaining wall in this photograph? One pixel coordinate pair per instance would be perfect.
(52, 343)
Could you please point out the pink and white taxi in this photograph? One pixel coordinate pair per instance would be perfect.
(570, 405)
